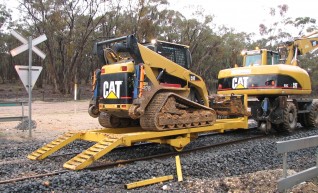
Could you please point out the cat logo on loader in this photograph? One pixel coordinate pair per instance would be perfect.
(111, 89)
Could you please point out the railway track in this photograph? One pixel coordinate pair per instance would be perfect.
(15, 161)
(122, 162)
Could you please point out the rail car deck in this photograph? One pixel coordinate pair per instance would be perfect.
(108, 139)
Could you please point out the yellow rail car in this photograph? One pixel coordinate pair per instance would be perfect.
(108, 139)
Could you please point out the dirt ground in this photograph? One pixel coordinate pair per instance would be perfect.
(52, 119)
(53, 113)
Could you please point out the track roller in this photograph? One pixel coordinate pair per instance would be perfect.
(168, 111)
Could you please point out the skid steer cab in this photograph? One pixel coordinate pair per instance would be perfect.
(140, 82)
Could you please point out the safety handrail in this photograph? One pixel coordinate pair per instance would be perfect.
(283, 147)
(13, 104)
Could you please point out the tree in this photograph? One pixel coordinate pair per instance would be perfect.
(303, 24)
(72, 26)
(69, 26)
(276, 31)
(6, 66)
(309, 63)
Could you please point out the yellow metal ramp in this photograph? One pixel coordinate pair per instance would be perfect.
(93, 153)
(54, 146)
(108, 139)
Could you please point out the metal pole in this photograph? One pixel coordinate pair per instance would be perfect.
(30, 85)
(285, 165)
(75, 91)
(22, 113)
(285, 168)
(316, 157)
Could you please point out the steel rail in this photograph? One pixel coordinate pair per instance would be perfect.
(121, 162)
(106, 165)
(117, 148)
(34, 176)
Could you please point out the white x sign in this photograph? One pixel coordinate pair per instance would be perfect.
(25, 45)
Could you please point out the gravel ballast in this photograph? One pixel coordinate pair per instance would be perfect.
(252, 166)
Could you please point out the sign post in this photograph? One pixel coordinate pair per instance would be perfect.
(28, 80)
(30, 86)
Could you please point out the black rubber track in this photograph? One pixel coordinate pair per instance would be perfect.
(107, 120)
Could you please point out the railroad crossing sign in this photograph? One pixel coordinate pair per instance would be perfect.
(23, 72)
(25, 45)
(28, 74)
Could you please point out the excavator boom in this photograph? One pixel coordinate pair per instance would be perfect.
(300, 46)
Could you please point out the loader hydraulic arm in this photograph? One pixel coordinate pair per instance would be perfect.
(130, 46)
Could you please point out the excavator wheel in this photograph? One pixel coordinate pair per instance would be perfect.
(289, 118)
(312, 116)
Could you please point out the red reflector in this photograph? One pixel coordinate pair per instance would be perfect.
(123, 106)
(170, 85)
(125, 97)
(124, 68)
(273, 83)
(103, 70)
(220, 86)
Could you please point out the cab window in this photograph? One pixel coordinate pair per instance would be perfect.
(174, 53)
(253, 60)
(272, 58)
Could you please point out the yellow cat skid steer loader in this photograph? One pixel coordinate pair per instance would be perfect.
(150, 85)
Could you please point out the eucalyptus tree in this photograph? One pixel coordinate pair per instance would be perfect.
(276, 32)
(6, 67)
(69, 26)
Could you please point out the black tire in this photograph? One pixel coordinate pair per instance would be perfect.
(93, 111)
(312, 116)
(289, 118)
(107, 120)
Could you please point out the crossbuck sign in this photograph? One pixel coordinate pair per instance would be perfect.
(25, 45)
(25, 73)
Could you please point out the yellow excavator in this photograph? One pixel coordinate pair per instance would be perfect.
(276, 82)
(151, 85)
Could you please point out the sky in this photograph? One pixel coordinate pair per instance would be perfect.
(246, 15)
(242, 15)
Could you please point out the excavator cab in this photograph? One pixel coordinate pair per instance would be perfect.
(260, 57)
